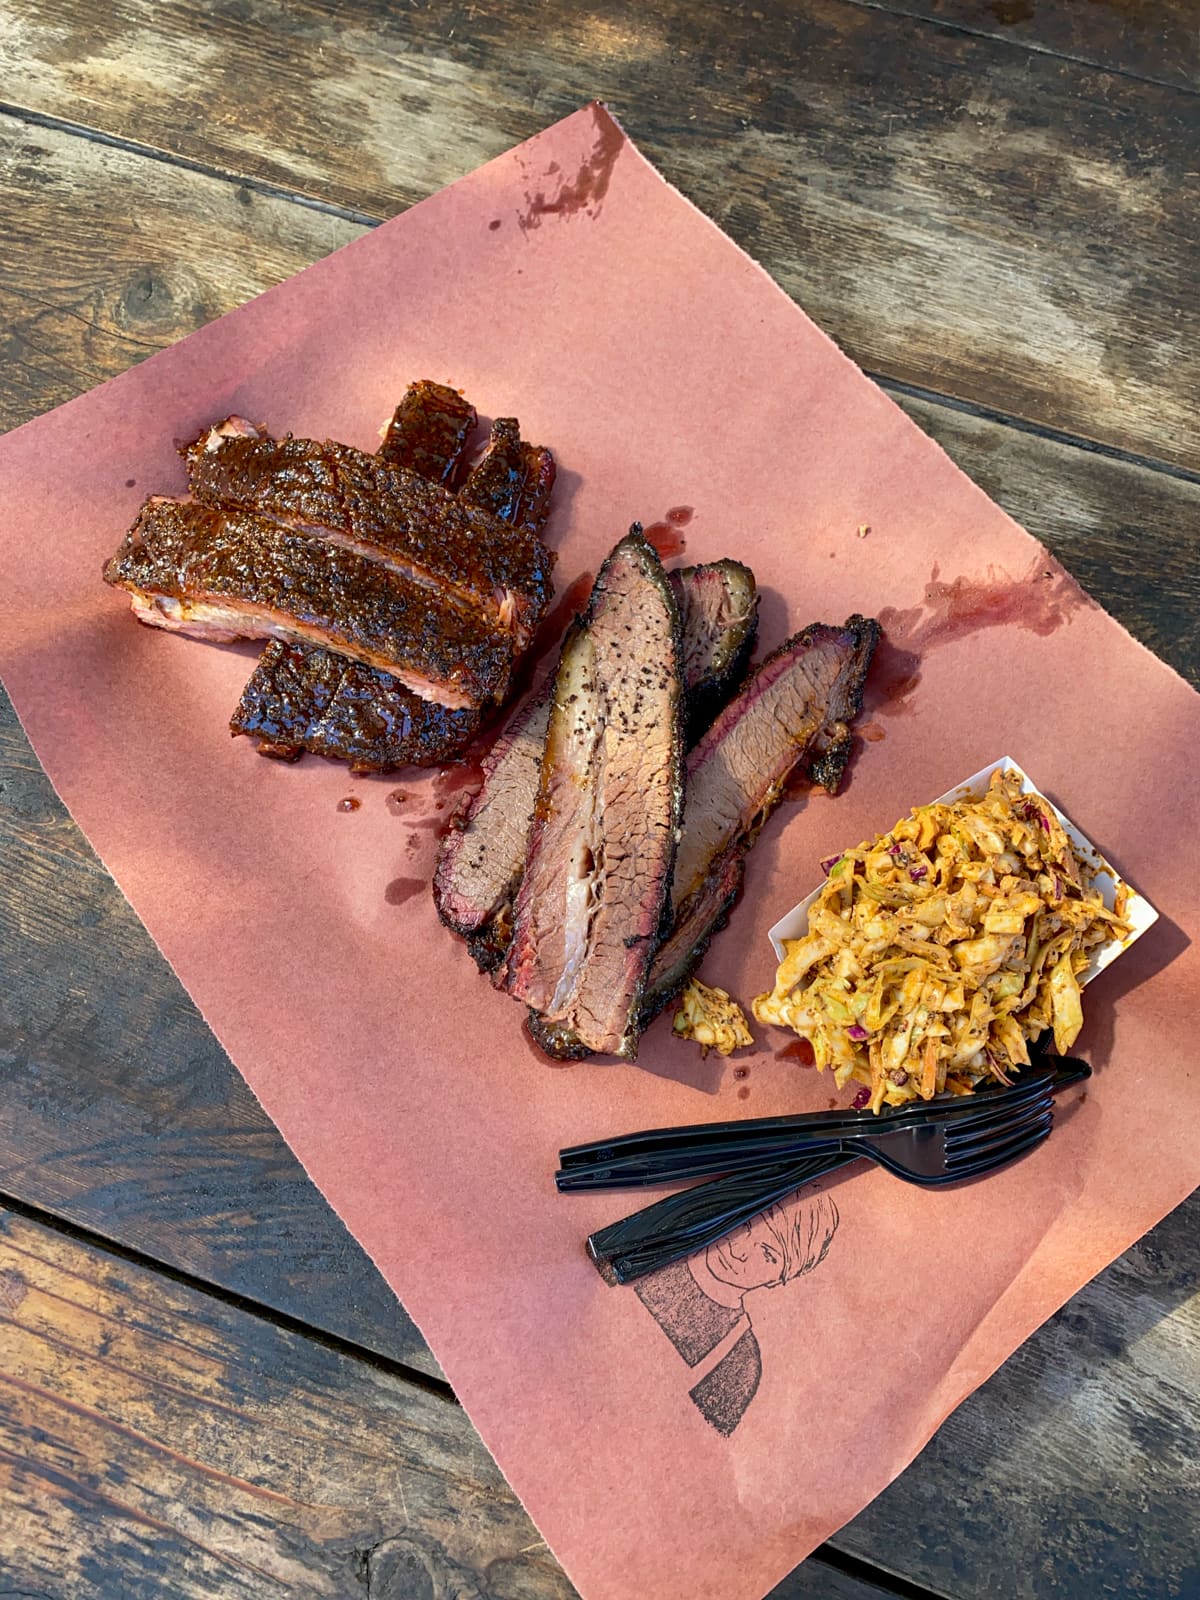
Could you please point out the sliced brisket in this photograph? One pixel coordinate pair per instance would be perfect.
(483, 853)
(795, 710)
(232, 574)
(608, 810)
(718, 607)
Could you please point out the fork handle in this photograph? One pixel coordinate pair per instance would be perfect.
(683, 1223)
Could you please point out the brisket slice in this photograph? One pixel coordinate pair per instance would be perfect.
(794, 711)
(680, 953)
(231, 574)
(718, 608)
(797, 705)
(483, 853)
(610, 798)
(302, 699)
(386, 513)
(429, 431)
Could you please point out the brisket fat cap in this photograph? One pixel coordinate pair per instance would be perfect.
(608, 810)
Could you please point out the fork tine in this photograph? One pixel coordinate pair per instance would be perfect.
(988, 1130)
(1004, 1152)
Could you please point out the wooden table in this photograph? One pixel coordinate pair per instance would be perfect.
(205, 1389)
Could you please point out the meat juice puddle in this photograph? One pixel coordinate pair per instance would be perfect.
(667, 536)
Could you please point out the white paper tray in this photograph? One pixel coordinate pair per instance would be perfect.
(1139, 913)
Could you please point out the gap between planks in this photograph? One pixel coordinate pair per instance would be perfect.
(1029, 46)
(92, 1240)
(364, 219)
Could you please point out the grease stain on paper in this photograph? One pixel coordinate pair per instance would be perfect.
(583, 193)
(1039, 602)
(402, 889)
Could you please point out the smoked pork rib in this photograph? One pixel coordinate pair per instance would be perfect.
(483, 853)
(609, 804)
(384, 512)
(302, 699)
(428, 432)
(794, 712)
(232, 574)
(512, 479)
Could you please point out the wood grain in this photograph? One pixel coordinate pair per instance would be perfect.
(156, 1442)
(998, 224)
(1159, 41)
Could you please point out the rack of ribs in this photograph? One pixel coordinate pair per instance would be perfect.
(397, 608)
(301, 699)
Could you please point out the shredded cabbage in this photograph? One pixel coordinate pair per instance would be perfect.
(936, 951)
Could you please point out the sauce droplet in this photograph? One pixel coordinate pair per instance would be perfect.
(666, 539)
(350, 803)
(130, 483)
(402, 889)
(741, 1072)
(680, 515)
(494, 224)
(800, 1050)
(395, 801)
(872, 732)
(743, 1094)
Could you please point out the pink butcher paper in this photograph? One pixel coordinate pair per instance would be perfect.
(699, 1438)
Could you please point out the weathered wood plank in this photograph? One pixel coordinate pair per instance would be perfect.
(998, 224)
(1074, 1472)
(1159, 41)
(154, 1441)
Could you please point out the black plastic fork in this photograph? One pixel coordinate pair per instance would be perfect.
(931, 1155)
(665, 1155)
